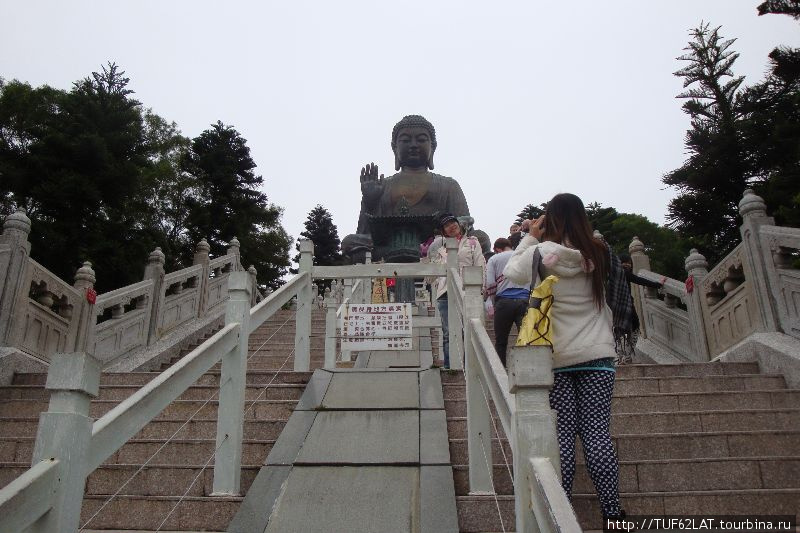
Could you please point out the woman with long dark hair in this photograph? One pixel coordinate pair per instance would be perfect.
(583, 342)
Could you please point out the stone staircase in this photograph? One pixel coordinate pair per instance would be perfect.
(184, 465)
(694, 438)
(713, 438)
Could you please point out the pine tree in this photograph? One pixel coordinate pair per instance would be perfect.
(325, 236)
(229, 203)
(712, 180)
(530, 211)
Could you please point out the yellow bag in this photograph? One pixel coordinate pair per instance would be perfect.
(536, 327)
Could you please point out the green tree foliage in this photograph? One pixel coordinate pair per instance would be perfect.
(740, 137)
(73, 160)
(602, 219)
(105, 180)
(530, 211)
(714, 177)
(325, 236)
(772, 127)
(228, 202)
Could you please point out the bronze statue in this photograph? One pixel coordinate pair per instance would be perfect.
(410, 198)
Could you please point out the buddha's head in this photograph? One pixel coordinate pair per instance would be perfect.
(413, 143)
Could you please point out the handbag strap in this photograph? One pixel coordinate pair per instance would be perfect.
(537, 276)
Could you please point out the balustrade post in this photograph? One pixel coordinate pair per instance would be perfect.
(479, 422)
(65, 433)
(347, 295)
(530, 378)
(639, 261)
(84, 282)
(155, 271)
(14, 251)
(256, 296)
(302, 334)
(754, 215)
(232, 380)
(697, 269)
(234, 249)
(330, 330)
(201, 258)
(454, 325)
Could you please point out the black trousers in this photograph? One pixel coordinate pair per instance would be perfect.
(507, 311)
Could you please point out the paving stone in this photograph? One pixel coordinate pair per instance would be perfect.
(325, 499)
(382, 390)
(363, 437)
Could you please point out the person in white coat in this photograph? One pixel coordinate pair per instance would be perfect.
(583, 341)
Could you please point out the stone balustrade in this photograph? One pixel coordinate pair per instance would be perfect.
(754, 290)
(41, 314)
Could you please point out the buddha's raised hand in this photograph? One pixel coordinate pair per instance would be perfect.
(371, 183)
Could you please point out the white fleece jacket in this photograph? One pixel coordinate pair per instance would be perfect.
(581, 331)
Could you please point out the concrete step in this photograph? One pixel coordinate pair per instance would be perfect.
(141, 378)
(131, 512)
(483, 513)
(680, 420)
(682, 445)
(161, 429)
(139, 451)
(653, 370)
(681, 401)
(255, 408)
(667, 475)
(273, 391)
(150, 480)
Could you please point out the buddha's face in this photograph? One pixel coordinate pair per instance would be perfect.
(413, 147)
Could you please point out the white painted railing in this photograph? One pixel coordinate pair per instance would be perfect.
(70, 445)
(521, 399)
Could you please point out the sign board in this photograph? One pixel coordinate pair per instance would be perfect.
(376, 327)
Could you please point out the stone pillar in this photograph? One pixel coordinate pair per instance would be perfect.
(479, 422)
(640, 261)
(84, 282)
(201, 258)
(530, 378)
(155, 271)
(302, 334)
(233, 377)
(65, 433)
(330, 330)
(233, 249)
(453, 316)
(14, 252)
(697, 269)
(251, 270)
(754, 215)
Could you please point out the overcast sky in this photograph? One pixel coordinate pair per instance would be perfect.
(528, 98)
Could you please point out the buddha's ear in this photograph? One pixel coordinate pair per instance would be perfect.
(430, 161)
(396, 161)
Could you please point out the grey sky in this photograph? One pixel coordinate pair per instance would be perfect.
(528, 98)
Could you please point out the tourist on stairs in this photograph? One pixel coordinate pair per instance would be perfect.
(583, 342)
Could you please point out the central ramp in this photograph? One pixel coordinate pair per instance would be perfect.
(366, 450)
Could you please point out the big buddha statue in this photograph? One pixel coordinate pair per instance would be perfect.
(398, 212)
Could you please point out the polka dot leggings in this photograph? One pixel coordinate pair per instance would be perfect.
(582, 401)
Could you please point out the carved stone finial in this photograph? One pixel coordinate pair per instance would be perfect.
(85, 274)
(636, 246)
(17, 221)
(234, 243)
(752, 204)
(597, 234)
(156, 257)
(252, 270)
(203, 246)
(695, 261)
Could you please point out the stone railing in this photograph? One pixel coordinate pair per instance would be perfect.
(754, 289)
(41, 314)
